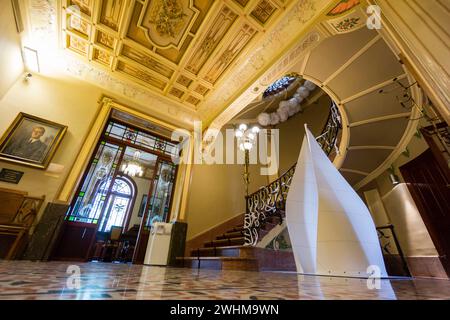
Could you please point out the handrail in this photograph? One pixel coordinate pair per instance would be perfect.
(270, 200)
(385, 248)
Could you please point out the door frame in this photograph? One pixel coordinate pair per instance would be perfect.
(116, 172)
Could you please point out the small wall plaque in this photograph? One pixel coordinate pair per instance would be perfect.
(10, 176)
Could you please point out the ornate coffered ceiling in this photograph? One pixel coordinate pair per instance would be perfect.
(182, 60)
(180, 49)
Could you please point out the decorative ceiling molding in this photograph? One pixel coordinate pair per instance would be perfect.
(144, 97)
(284, 64)
(180, 49)
(236, 91)
(191, 67)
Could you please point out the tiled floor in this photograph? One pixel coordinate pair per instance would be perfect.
(53, 280)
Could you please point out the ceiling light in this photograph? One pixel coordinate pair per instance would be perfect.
(133, 168)
(255, 129)
(243, 127)
(239, 133)
(248, 145)
(394, 179)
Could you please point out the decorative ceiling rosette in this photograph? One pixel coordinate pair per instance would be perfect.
(166, 22)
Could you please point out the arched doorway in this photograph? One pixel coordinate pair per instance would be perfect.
(105, 198)
(121, 198)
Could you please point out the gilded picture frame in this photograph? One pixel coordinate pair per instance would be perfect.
(31, 141)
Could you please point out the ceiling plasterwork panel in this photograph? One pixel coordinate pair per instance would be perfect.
(262, 56)
(180, 49)
(43, 27)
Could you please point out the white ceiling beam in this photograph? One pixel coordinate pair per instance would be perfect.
(352, 59)
(362, 173)
(305, 63)
(374, 88)
(384, 118)
(371, 148)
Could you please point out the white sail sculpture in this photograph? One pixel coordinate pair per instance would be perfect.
(330, 227)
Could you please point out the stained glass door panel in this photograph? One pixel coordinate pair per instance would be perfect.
(159, 204)
(88, 206)
(80, 227)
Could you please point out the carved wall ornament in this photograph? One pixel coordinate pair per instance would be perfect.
(343, 6)
(353, 20)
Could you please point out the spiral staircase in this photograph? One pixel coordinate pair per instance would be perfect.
(374, 95)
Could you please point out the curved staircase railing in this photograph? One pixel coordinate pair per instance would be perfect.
(270, 200)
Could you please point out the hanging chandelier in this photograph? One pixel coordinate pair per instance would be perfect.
(133, 167)
(246, 137)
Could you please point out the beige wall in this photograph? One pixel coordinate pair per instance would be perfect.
(416, 147)
(409, 226)
(68, 102)
(400, 207)
(216, 194)
(293, 130)
(11, 65)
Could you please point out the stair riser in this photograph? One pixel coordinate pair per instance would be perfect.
(230, 235)
(223, 243)
(223, 265)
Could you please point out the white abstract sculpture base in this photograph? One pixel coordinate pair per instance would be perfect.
(331, 229)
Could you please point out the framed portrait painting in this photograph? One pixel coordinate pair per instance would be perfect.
(143, 205)
(31, 141)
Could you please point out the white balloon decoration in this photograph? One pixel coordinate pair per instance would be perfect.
(287, 108)
(283, 113)
(293, 102)
(309, 85)
(303, 92)
(274, 118)
(284, 104)
(292, 110)
(298, 97)
(264, 119)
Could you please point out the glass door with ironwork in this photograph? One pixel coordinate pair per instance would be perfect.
(158, 207)
(128, 162)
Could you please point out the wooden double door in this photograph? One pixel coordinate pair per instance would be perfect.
(429, 184)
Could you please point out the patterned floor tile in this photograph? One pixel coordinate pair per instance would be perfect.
(107, 281)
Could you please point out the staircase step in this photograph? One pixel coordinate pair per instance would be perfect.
(262, 233)
(204, 252)
(269, 226)
(227, 251)
(220, 263)
(225, 242)
(233, 234)
(274, 219)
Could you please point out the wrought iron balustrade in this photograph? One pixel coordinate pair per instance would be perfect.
(270, 200)
(390, 245)
(328, 139)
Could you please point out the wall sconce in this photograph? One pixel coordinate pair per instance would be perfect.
(27, 77)
(31, 59)
(393, 177)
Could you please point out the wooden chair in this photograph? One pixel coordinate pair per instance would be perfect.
(111, 247)
(17, 215)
